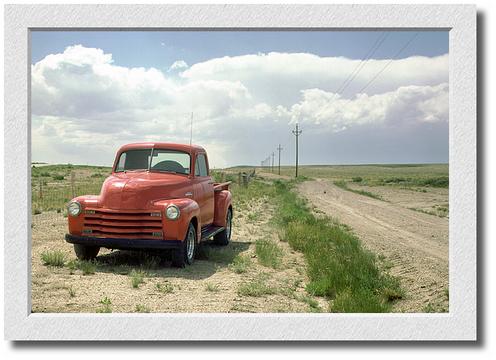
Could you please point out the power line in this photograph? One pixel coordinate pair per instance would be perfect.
(362, 63)
(389, 62)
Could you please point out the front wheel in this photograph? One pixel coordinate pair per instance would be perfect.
(186, 253)
(224, 236)
(84, 252)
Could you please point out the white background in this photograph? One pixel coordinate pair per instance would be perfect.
(485, 348)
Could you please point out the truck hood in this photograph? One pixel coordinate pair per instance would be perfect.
(139, 190)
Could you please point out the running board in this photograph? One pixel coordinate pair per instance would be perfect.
(209, 231)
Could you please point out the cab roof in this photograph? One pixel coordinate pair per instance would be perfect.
(162, 145)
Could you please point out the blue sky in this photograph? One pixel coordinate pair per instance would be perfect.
(92, 91)
(161, 48)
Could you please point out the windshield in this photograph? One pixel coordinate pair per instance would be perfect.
(159, 160)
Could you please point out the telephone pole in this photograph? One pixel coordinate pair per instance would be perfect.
(272, 169)
(296, 133)
(279, 148)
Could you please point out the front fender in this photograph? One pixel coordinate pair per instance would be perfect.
(176, 229)
(76, 223)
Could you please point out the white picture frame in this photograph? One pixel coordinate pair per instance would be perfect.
(459, 324)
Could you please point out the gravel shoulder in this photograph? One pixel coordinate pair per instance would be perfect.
(412, 244)
(209, 285)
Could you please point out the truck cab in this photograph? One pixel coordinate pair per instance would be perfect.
(158, 196)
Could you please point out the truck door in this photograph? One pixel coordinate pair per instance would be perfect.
(205, 185)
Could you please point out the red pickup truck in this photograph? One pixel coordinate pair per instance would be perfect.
(159, 196)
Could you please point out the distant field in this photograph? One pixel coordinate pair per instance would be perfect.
(52, 187)
(433, 175)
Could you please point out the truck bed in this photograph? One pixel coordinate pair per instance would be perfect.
(222, 186)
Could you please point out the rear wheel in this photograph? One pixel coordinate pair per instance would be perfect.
(224, 236)
(186, 253)
(84, 252)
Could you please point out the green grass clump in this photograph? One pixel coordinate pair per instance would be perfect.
(165, 288)
(58, 177)
(53, 258)
(435, 181)
(107, 306)
(240, 264)
(87, 267)
(72, 292)
(212, 287)
(313, 304)
(137, 278)
(256, 288)
(254, 216)
(141, 308)
(343, 185)
(268, 253)
(338, 266)
(357, 179)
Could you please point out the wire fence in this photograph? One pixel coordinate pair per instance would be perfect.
(51, 191)
(52, 187)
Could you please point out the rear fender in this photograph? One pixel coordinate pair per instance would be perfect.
(176, 229)
(222, 204)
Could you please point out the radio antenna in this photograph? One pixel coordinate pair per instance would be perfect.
(191, 131)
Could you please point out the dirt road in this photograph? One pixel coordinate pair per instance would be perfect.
(414, 244)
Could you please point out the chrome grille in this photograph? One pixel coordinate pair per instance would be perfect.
(123, 224)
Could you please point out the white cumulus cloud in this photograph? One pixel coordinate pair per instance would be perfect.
(84, 106)
(178, 65)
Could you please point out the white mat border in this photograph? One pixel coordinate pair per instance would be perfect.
(459, 324)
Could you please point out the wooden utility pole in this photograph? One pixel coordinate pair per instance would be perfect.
(272, 168)
(72, 184)
(41, 190)
(279, 148)
(296, 133)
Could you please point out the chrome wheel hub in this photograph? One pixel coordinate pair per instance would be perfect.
(228, 225)
(190, 244)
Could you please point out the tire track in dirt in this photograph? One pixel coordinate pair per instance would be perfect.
(415, 244)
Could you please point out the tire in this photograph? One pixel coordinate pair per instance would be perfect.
(84, 252)
(224, 236)
(185, 255)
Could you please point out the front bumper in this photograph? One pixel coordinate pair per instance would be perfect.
(123, 244)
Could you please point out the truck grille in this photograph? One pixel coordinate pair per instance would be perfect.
(126, 225)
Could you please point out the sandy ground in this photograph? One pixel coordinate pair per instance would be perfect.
(52, 286)
(415, 244)
(411, 198)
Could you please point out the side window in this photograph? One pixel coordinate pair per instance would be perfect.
(121, 163)
(201, 166)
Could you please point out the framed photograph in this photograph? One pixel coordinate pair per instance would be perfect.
(240, 172)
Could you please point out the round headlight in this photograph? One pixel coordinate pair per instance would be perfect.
(74, 208)
(172, 212)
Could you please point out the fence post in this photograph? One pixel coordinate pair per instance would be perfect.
(72, 184)
(41, 190)
(245, 179)
(239, 178)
